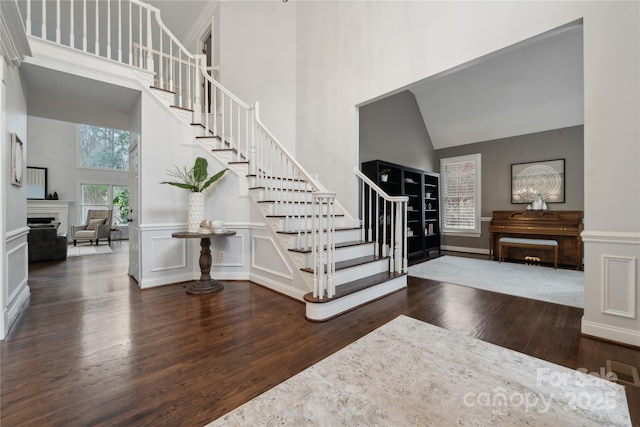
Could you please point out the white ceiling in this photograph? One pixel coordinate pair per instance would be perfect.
(61, 96)
(531, 87)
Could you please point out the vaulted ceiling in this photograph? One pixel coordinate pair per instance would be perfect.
(531, 87)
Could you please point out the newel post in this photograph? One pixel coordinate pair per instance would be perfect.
(398, 237)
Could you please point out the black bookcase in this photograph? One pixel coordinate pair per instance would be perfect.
(423, 208)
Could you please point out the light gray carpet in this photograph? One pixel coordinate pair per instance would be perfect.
(542, 283)
(88, 250)
(411, 373)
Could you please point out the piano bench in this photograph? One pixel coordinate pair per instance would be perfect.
(517, 242)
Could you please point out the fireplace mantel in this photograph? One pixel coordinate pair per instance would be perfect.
(59, 209)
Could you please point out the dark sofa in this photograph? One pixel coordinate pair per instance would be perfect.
(45, 244)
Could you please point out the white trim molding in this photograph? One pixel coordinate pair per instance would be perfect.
(616, 237)
(19, 297)
(619, 272)
(178, 262)
(13, 38)
(465, 249)
(17, 233)
(611, 333)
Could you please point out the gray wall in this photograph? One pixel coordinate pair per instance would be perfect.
(392, 130)
(497, 157)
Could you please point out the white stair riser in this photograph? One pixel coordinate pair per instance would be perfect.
(300, 240)
(242, 168)
(343, 254)
(327, 310)
(282, 195)
(359, 271)
(167, 98)
(184, 114)
(282, 184)
(305, 223)
(284, 208)
(223, 156)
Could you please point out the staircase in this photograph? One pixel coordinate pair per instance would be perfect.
(341, 262)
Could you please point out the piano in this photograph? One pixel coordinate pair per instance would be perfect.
(563, 226)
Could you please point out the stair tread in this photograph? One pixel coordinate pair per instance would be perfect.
(309, 231)
(181, 108)
(161, 89)
(338, 246)
(353, 262)
(355, 286)
(204, 127)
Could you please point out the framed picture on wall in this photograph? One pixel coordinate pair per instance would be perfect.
(544, 179)
(17, 154)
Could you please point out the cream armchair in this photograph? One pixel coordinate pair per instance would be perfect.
(96, 227)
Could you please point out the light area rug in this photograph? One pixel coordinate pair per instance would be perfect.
(88, 250)
(559, 286)
(411, 373)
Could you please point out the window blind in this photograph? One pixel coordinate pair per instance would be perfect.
(460, 194)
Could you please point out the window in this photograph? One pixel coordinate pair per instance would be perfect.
(104, 196)
(104, 148)
(461, 194)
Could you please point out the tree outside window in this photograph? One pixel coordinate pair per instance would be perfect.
(104, 148)
(94, 196)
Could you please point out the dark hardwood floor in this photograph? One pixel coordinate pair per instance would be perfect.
(92, 349)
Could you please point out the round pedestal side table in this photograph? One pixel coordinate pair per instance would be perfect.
(206, 284)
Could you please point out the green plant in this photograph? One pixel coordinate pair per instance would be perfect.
(121, 199)
(385, 171)
(195, 179)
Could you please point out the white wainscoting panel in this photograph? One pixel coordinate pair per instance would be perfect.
(228, 251)
(266, 256)
(619, 285)
(168, 253)
(611, 291)
(18, 277)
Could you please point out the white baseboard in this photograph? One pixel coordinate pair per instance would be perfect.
(166, 280)
(15, 305)
(230, 275)
(611, 333)
(463, 249)
(278, 287)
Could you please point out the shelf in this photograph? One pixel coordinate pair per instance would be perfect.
(422, 189)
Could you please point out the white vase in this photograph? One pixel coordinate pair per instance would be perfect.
(195, 213)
